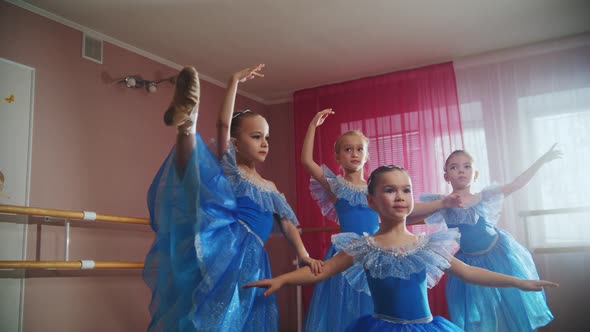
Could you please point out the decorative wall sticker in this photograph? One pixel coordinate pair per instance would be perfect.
(9, 99)
(2, 194)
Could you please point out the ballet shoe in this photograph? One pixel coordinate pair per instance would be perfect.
(185, 102)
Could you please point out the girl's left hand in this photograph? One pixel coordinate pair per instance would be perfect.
(271, 285)
(248, 73)
(536, 285)
(552, 154)
(453, 201)
(315, 265)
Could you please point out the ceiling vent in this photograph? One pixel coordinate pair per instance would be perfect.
(92, 48)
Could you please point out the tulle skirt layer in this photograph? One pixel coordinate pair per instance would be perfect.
(335, 304)
(202, 254)
(373, 324)
(476, 308)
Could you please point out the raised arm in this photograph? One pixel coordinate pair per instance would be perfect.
(527, 175)
(483, 277)
(294, 238)
(424, 209)
(227, 108)
(309, 164)
(302, 276)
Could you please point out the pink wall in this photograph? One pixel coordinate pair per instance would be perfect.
(279, 167)
(96, 146)
(282, 155)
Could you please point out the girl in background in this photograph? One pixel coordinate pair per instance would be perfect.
(484, 245)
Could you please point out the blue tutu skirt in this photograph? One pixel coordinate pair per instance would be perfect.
(335, 304)
(202, 254)
(477, 308)
(371, 324)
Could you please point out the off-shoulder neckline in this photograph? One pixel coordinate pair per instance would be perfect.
(421, 241)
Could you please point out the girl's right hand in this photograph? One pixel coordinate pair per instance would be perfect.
(315, 265)
(321, 116)
(248, 73)
(271, 285)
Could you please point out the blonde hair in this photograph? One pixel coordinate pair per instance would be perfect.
(457, 152)
(358, 133)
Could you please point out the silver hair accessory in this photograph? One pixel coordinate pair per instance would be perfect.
(236, 114)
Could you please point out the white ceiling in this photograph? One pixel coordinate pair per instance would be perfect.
(307, 43)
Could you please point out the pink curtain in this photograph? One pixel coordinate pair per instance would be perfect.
(411, 118)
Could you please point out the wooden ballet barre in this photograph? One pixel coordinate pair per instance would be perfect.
(320, 229)
(534, 213)
(69, 265)
(77, 215)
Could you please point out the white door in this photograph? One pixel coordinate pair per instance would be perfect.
(16, 120)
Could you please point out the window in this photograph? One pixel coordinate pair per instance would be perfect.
(474, 138)
(565, 183)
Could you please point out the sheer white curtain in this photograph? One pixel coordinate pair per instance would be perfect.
(514, 105)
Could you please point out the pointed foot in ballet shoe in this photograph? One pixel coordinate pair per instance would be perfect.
(185, 102)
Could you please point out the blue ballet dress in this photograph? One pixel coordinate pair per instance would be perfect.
(477, 308)
(334, 304)
(210, 228)
(398, 278)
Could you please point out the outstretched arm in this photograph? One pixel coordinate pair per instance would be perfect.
(309, 164)
(527, 175)
(483, 277)
(302, 276)
(292, 235)
(424, 209)
(227, 108)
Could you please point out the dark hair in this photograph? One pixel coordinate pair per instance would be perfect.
(457, 152)
(236, 121)
(372, 181)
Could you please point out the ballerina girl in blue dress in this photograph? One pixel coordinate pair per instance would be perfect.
(343, 199)
(211, 215)
(398, 265)
(484, 245)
